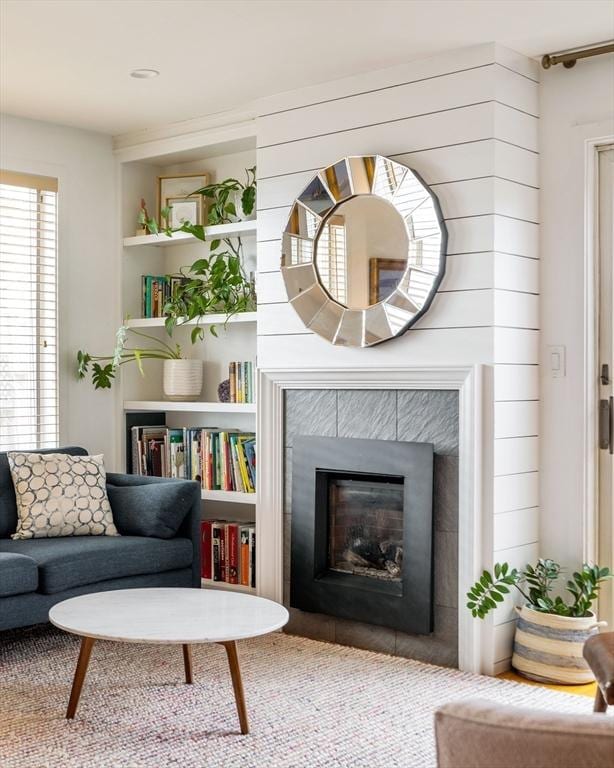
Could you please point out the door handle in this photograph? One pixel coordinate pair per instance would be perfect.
(606, 424)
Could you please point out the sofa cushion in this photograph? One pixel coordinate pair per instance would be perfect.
(18, 574)
(60, 495)
(8, 508)
(150, 510)
(73, 561)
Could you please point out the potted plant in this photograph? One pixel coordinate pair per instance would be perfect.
(218, 283)
(551, 630)
(182, 378)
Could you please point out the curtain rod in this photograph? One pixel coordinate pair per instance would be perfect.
(568, 58)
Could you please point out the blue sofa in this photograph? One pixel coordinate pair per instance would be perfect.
(35, 574)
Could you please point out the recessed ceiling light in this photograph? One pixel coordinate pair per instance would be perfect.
(144, 74)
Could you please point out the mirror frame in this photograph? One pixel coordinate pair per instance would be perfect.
(345, 179)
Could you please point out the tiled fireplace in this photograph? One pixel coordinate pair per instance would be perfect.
(347, 521)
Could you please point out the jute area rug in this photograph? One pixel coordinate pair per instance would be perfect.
(310, 704)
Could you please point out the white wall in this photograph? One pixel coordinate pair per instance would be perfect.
(576, 104)
(467, 123)
(87, 260)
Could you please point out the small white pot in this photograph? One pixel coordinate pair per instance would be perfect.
(548, 648)
(241, 215)
(183, 379)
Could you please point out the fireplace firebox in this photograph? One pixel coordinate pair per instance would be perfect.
(362, 530)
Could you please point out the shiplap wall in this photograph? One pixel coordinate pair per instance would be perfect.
(467, 121)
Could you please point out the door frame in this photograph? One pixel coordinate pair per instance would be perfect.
(591, 340)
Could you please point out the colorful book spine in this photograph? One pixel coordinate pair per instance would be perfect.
(241, 377)
(232, 547)
(216, 554)
(252, 557)
(232, 376)
(206, 565)
(244, 556)
(223, 554)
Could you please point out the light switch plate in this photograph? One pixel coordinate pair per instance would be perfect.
(556, 361)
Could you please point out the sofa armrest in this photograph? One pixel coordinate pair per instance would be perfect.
(189, 528)
(484, 734)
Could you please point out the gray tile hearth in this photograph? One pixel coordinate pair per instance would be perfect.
(367, 636)
(313, 625)
(439, 648)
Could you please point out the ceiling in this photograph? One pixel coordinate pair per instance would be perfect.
(68, 61)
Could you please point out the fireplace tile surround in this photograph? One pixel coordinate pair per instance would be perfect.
(407, 415)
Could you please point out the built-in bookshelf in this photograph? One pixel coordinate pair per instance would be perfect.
(210, 584)
(239, 229)
(182, 406)
(205, 320)
(140, 166)
(235, 497)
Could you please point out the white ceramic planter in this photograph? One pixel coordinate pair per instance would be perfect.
(241, 215)
(548, 648)
(182, 379)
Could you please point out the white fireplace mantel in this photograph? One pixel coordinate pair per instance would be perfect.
(475, 528)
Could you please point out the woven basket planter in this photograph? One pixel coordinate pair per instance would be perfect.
(182, 379)
(548, 648)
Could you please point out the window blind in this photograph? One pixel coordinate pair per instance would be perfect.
(28, 312)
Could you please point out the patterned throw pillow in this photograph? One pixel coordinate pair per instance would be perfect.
(60, 495)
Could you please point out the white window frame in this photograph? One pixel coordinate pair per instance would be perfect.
(42, 184)
(591, 352)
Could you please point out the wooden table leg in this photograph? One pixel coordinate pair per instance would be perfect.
(187, 663)
(237, 684)
(87, 643)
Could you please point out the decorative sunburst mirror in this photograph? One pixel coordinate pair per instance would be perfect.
(363, 252)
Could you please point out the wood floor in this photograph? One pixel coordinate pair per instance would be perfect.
(578, 690)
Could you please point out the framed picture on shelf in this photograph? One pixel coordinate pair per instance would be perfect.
(184, 210)
(181, 186)
(384, 276)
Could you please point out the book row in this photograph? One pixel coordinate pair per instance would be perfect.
(157, 291)
(228, 552)
(241, 378)
(220, 460)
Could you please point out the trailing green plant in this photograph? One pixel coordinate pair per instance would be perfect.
(535, 584)
(103, 372)
(217, 283)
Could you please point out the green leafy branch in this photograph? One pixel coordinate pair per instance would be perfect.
(103, 373)
(535, 583)
(487, 592)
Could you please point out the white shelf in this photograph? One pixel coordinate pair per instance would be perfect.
(236, 497)
(210, 584)
(186, 407)
(155, 322)
(220, 231)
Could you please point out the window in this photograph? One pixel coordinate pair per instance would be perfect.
(332, 267)
(28, 311)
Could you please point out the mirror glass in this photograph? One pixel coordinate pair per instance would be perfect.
(363, 251)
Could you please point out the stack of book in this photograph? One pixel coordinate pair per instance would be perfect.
(241, 377)
(220, 460)
(228, 552)
(157, 290)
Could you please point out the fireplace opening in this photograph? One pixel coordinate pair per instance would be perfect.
(365, 524)
(361, 543)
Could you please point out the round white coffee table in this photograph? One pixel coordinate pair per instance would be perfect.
(172, 616)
